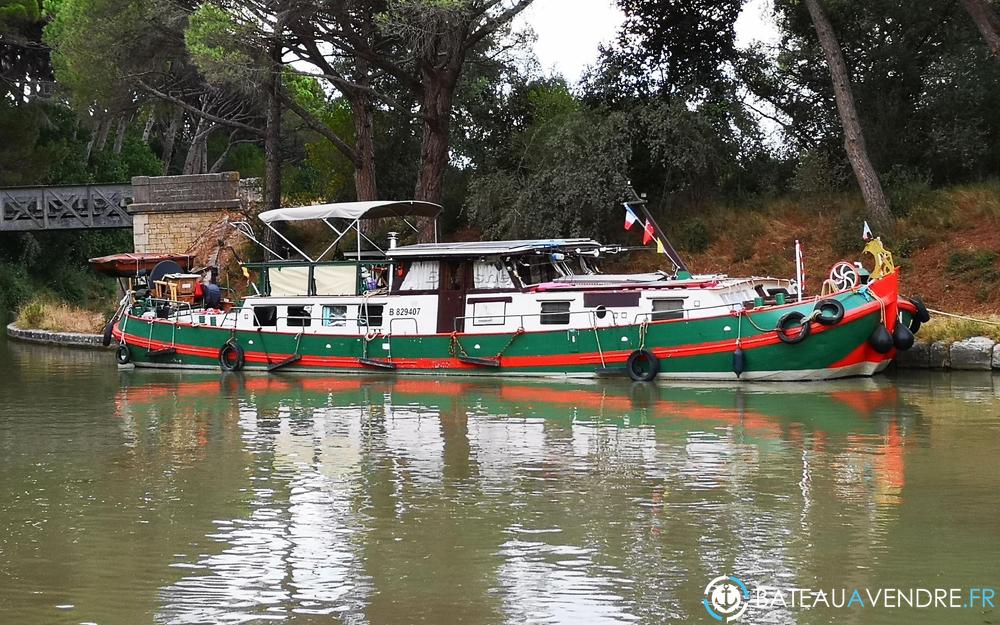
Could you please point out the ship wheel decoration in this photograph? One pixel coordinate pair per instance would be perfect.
(845, 275)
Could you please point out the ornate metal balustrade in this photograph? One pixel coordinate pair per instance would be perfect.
(65, 208)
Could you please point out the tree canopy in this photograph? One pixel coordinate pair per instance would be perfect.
(444, 100)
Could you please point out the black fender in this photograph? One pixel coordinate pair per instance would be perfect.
(831, 312)
(921, 315)
(232, 357)
(902, 338)
(791, 320)
(881, 340)
(123, 355)
(642, 365)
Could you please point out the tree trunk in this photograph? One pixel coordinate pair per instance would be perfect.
(365, 185)
(102, 134)
(439, 87)
(90, 144)
(120, 133)
(170, 137)
(986, 21)
(436, 107)
(193, 159)
(272, 131)
(147, 130)
(854, 140)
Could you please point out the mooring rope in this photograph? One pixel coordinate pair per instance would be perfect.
(965, 317)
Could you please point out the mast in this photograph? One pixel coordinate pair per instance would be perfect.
(640, 205)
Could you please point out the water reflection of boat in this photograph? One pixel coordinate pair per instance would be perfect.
(357, 495)
(831, 407)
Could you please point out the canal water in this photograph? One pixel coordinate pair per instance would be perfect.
(133, 497)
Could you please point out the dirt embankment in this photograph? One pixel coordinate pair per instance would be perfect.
(947, 244)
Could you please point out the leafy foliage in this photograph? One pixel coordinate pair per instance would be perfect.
(573, 165)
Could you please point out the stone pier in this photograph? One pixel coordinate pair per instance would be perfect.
(169, 213)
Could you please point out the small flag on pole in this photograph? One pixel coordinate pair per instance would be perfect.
(630, 217)
(659, 247)
(647, 234)
(866, 233)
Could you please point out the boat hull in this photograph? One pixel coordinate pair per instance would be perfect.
(686, 349)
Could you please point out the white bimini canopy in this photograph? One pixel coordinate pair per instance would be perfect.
(491, 248)
(353, 211)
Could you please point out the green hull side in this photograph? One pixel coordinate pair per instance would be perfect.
(700, 346)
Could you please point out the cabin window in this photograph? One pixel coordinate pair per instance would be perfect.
(421, 276)
(538, 272)
(667, 309)
(490, 276)
(555, 313)
(299, 316)
(334, 316)
(370, 315)
(265, 315)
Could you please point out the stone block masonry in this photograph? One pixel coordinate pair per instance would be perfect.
(170, 212)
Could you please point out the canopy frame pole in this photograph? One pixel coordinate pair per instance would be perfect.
(294, 247)
(244, 228)
(340, 235)
(374, 244)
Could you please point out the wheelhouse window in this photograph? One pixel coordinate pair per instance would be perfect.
(555, 313)
(537, 270)
(370, 315)
(334, 316)
(265, 316)
(486, 275)
(299, 316)
(668, 309)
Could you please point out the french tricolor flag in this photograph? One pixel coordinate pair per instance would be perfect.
(630, 217)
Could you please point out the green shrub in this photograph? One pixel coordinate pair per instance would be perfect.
(693, 236)
(14, 287)
(971, 261)
(846, 236)
(32, 315)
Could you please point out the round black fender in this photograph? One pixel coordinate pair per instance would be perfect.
(123, 355)
(921, 315)
(914, 325)
(642, 365)
(739, 362)
(880, 339)
(108, 329)
(232, 357)
(789, 321)
(831, 312)
(902, 338)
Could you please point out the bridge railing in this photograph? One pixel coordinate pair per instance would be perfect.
(65, 207)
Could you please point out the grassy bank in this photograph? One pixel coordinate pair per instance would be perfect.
(950, 330)
(56, 316)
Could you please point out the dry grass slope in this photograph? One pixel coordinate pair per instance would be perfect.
(44, 314)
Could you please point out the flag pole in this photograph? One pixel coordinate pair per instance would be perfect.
(639, 203)
(799, 270)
